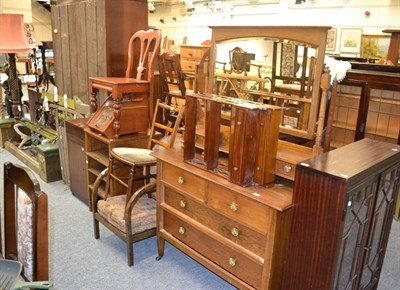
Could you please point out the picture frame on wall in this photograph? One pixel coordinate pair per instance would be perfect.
(331, 40)
(350, 40)
(375, 46)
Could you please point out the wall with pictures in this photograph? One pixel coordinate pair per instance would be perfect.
(351, 19)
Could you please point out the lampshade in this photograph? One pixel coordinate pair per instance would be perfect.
(12, 34)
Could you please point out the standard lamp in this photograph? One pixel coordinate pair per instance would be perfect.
(12, 41)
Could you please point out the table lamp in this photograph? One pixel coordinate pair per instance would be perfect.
(12, 41)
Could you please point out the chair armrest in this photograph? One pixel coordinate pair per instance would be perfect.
(223, 66)
(96, 185)
(258, 66)
(147, 188)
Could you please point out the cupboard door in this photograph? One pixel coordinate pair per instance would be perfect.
(356, 215)
(380, 228)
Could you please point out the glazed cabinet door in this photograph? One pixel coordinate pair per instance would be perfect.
(375, 247)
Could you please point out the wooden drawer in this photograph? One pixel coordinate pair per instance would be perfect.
(230, 229)
(226, 257)
(285, 169)
(192, 53)
(246, 211)
(188, 66)
(184, 181)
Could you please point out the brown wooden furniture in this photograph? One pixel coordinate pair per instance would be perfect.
(194, 62)
(393, 53)
(341, 217)
(312, 38)
(97, 149)
(91, 38)
(130, 96)
(254, 130)
(139, 161)
(25, 221)
(172, 76)
(77, 157)
(239, 233)
(367, 105)
(131, 216)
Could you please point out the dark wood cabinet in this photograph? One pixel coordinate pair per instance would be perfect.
(343, 206)
(91, 39)
(77, 158)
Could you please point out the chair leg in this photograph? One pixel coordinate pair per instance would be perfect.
(96, 228)
(130, 183)
(129, 245)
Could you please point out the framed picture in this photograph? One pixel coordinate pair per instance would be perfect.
(350, 40)
(375, 46)
(331, 40)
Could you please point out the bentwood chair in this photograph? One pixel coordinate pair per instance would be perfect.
(25, 221)
(132, 216)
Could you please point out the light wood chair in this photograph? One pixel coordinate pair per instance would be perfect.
(25, 222)
(132, 216)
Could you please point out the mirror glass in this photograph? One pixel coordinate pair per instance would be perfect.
(269, 70)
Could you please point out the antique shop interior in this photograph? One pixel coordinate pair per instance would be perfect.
(200, 144)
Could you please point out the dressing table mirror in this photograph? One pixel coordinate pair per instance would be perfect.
(281, 66)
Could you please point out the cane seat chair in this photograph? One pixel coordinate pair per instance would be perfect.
(25, 221)
(132, 216)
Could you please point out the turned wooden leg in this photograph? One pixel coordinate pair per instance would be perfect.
(117, 115)
(161, 247)
(93, 100)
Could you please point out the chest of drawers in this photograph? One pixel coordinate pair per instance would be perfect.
(238, 233)
(194, 63)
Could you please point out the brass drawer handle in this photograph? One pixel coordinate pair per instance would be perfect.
(288, 168)
(181, 180)
(182, 203)
(234, 206)
(235, 232)
(182, 230)
(232, 262)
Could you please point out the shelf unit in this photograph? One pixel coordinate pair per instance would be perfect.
(97, 148)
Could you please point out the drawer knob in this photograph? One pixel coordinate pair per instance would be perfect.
(288, 168)
(181, 180)
(232, 262)
(182, 203)
(234, 206)
(182, 230)
(235, 232)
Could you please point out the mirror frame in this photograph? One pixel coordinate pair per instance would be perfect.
(314, 36)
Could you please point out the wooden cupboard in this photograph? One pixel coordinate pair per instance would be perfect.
(91, 39)
(343, 206)
(77, 157)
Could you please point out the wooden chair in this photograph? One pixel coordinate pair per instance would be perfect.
(25, 223)
(132, 94)
(132, 216)
(172, 76)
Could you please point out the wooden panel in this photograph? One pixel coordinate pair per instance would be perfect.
(91, 40)
(65, 41)
(56, 33)
(77, 49)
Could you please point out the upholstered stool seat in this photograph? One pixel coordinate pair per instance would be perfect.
(134, 155)
(143, 215)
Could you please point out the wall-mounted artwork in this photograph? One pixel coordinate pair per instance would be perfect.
(331, 40)
(375, 46)
(350, 40)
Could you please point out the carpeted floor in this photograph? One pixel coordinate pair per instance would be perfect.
(78, 261)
